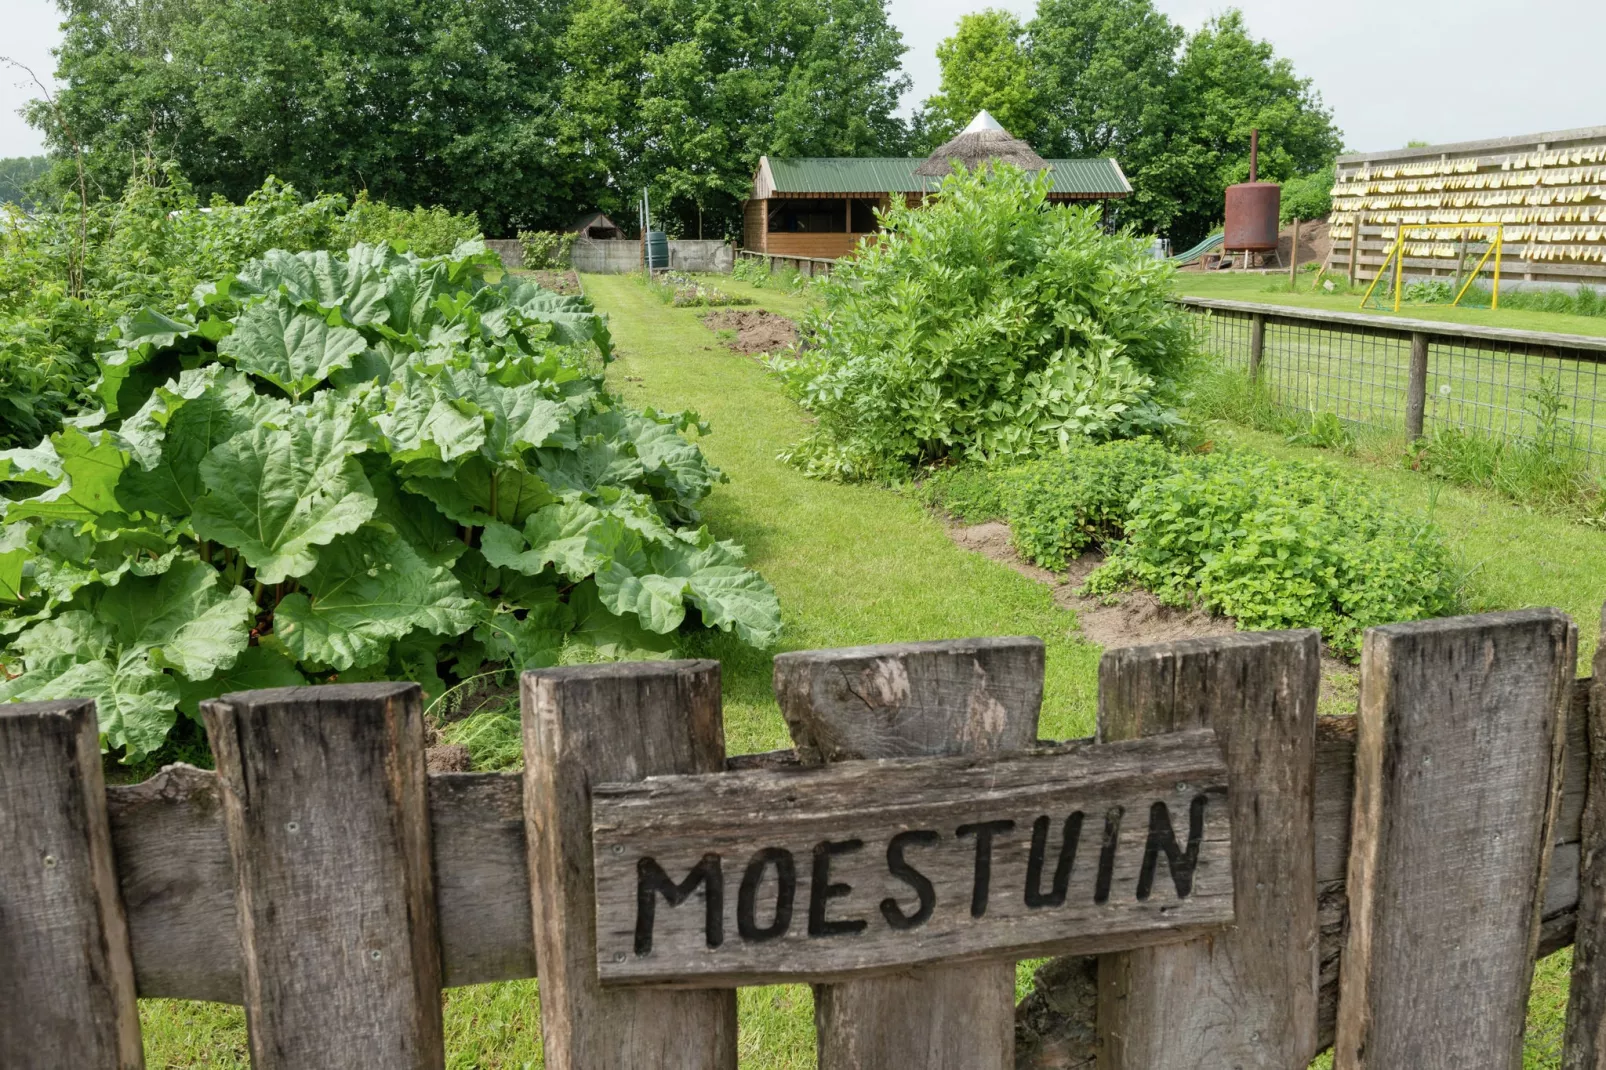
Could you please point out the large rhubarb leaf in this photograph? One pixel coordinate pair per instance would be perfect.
(290, 347)
(277, 495)
(369, 589)
(90, 466)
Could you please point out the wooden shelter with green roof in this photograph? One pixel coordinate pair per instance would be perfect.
(821, 206)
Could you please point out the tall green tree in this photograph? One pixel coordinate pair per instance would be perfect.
(1228, 83)
(985, 65)
(1105, 70)
(18, 174)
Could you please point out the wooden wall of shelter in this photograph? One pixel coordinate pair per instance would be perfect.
(1549, 191)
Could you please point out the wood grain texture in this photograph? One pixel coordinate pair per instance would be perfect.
(582, 726)
(1457, 788)
(66, 975)
(177, 883)
(1584, 1047)
(788, 911)
(325, 802)
(1246, 998)
(482, 877)
(979, 696)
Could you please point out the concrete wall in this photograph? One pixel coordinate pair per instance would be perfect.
(708, 256)
(606, 257)
(511, 252)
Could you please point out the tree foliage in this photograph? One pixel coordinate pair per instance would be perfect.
(356, 467)
(18, 176)
(520, 111)
(1118, 78)
(985, 66)
(986, 325)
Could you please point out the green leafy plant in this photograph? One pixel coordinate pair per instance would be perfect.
(546, 248)
(352, 467)
(684, 290)
(990, 326)
(1059, 507)
(1309, 196)
(1281, 544)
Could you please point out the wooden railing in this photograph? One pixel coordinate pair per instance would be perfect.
(1390, 877)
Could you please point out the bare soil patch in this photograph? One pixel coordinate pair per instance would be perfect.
(1136, 618)
(565, 281)
(757, 331)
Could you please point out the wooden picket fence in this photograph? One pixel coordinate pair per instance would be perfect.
(1395, 874)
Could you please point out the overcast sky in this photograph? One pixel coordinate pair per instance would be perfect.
(1392, 70)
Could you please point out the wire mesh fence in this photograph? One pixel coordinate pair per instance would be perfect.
(1504, 389)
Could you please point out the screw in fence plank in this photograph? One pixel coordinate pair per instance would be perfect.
(1457, 785)
(66, 975)
(1416, 387)
(974, 696)
(1246, 998)
(1585, 1045)
(326, 806)
(1257, 343)
(616, 723)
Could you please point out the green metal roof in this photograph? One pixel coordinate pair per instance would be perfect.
(895, 174)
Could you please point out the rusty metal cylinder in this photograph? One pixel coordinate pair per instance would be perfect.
(1252, 216)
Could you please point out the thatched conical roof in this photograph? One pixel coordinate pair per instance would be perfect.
(983, 141)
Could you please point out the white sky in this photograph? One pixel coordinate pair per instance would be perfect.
(1391, 70)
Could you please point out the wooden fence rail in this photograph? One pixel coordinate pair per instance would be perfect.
(1390, 877)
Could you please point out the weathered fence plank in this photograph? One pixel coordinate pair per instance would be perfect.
(1457, 788)
(1585, 1044)
(584, 725)
(1246, 998)
(826, 873)
(979, 696)
(66, 978)
(482, 877)
(325, 803)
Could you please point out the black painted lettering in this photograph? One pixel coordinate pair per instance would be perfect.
(1163, 839)
(899, 867)
(984, 831)
(1070, 836)
(651, 880)
(1112, 837)
(785, 892)
(822, 891)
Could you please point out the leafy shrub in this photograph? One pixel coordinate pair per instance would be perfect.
(61, 290)
(1060, 506)
(1308, 196)
(986, 326)
(970, 493)
(546, 248)
(358, 467)
(1281, 544)
(683, 290)
(756, 271)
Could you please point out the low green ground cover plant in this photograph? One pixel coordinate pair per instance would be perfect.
(685, 290)
(1271, 543)
(756, 272)
(369, 466)
(987, 325)
(69, 272)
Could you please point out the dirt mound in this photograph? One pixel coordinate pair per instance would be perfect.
(1135, 618)
(1314, 244)
(756, 331)
(564, 281)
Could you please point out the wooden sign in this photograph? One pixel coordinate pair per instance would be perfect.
(818, 873)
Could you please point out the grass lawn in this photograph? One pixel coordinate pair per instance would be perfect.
(1273, 290)
(858, 564)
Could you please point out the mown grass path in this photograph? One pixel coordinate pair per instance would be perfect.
(852, 564)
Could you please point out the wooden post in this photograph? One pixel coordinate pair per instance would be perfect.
(1355, 246)
(1293, 259)
(1416, 387)
(585, 725)
(1585, 1045)
(66, 977)
(1257, 343)
(1457, 785)
(972, 696)
(1246, 998)
(326, 806)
